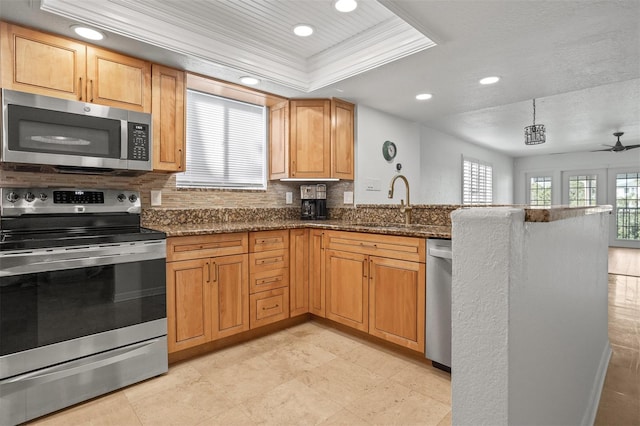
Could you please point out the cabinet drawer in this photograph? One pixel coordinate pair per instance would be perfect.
(268, 240)
(269, 306)
(268, 280)
(268, 260)
(389, 246)
(200, 246)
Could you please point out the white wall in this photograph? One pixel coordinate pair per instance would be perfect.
(442, 169)
(373, 129)
(431, 161)
(529, 336)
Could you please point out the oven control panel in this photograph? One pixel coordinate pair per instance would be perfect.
(20, 201)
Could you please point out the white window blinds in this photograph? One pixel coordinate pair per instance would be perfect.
(477, 182)
(226, 143)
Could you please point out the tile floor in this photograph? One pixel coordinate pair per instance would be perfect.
(311, 374)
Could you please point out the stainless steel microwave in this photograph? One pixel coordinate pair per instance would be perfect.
(72, 135)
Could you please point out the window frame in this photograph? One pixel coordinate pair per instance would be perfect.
(546, 176)
(226, 184)
(484, 165)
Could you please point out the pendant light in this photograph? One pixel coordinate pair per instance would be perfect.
(534, 134)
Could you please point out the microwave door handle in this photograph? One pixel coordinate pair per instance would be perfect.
(124, 136)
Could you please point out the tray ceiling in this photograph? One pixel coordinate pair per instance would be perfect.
(256, 36)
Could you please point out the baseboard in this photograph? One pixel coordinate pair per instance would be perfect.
(589, 417)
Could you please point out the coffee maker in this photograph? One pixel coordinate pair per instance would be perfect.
(314, 201)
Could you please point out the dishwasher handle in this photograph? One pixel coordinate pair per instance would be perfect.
(443, 252)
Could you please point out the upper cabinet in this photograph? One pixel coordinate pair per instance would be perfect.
(55, 66)
(312, 139)
(168, 108)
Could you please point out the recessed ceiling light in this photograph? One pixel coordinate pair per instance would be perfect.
(490, 80)
(251, 81)
(303, 30)
(424, 96)
(346, 5)
(88, 33)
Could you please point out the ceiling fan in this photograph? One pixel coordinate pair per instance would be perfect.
(618, 147)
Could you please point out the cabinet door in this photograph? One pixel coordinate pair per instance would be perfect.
(310, 138)
(168, 108)
(118, 80)
(279, 140)
(230, 295)
(342, 131)
(347, 287)
(41, 63)
(188, 304)
(397, 292)
(299, 271)
(316, 273)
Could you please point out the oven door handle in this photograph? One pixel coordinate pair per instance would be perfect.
(45, 260)
(57, 372)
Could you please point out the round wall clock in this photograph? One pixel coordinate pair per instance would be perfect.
(389, 150)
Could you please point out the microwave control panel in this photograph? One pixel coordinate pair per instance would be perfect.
(138, 142)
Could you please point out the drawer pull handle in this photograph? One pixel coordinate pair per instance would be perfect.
(80, 88)
(369, 245)
(273, 307)
(268, 240)
(268, 281)
(270, 260)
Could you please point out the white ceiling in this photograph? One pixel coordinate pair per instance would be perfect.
(580, 59)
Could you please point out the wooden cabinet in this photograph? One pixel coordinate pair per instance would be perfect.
(347, 287)
(188, 304)
(279, 140)
(397, 301)
(118, 80)
(376, 283)
(316, 273)
(50, 65)
(230, 295)
(207, 288)
(299, 271)
(269, 277)
(168, 109)
(342, 139)
(41, 63)
(312, 138)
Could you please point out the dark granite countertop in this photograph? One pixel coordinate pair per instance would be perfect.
(421, 231)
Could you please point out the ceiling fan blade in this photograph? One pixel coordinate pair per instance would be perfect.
(632, 146)
(601, 150)
(604, 144)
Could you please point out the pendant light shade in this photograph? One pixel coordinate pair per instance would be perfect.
(534, 134)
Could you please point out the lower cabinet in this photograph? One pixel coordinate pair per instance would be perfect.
(299, 271)
(376, 284)
(347, 288)
(316, 261)
(207, 291)
(269, 276)
(224, 284)
(188, 304)
(269, 306)
(397, 301)
(230, 295)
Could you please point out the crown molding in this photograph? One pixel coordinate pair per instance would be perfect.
(192, 37)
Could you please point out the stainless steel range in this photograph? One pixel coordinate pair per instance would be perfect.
(82, 298)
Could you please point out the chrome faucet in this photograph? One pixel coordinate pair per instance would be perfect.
(406, 209)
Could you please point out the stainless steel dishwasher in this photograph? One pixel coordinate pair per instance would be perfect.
(438, 305)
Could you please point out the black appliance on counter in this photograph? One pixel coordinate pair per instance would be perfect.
(314, 201)
(82, 298)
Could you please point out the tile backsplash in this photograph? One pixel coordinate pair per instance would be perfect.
(172, 197)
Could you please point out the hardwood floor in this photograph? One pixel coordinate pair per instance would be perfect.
(624, 261)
